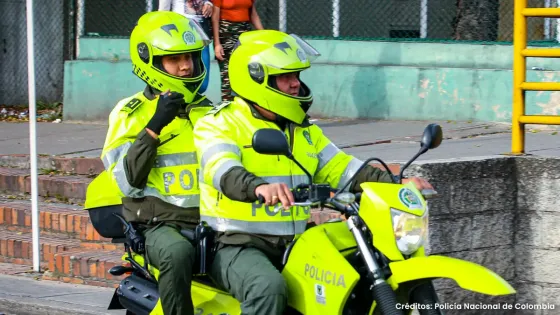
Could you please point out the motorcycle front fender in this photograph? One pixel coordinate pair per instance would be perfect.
(468, 275)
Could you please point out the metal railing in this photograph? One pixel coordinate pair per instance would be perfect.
(520, 86)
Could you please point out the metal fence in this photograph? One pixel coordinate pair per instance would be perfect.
(440, 20)
(53, 44)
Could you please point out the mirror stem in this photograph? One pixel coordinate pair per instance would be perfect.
(291, 157)
(422, 151)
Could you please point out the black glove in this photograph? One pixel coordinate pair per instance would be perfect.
(168, 106)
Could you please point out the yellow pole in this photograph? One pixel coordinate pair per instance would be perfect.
(519, 72)
(540, 119)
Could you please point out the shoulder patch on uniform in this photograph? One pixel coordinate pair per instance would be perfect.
(218, 108)
(307, 137)
(132, 105)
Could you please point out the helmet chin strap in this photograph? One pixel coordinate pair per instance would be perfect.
(281, 121)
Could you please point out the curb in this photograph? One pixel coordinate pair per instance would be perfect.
(79, 166)
(19, 307)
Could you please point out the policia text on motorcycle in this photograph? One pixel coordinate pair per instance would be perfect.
(264, 73)
(149, 155)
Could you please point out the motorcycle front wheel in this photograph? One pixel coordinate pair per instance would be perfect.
(426, 295)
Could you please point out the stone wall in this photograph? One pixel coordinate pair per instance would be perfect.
(538, 238)
(504, 214)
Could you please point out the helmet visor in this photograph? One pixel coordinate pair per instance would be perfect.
(310, 52)
(198, 29)
(293, 54)
(191, 38)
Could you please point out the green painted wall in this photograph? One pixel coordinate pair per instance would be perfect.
(356, 79)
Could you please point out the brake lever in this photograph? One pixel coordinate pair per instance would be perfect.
(279, 206)
(337, 205)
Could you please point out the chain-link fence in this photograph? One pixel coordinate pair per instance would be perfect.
(59, 23)
(53, 44)
(482, 20)
(449, 20)
(111, 18)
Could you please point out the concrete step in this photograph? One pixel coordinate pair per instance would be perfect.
(15, 269)
(67, 219)
(17, 247)
(85, 266)
(79, 165)
(64, 188)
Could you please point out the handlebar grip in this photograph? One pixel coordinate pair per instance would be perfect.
(261, 198)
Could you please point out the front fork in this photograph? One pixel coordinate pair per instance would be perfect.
(382, 292)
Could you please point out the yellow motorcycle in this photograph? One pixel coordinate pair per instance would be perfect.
(371, 263)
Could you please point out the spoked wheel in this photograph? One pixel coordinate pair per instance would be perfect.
(425, 295)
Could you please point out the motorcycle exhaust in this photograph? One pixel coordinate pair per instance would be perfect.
(138, 295)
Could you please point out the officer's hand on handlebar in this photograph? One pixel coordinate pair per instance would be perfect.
(168, 106)
(274, 193)
(420, 183)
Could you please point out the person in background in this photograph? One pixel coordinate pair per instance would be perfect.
(199, 11)
(230, 19)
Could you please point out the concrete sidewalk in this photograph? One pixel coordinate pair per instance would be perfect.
(389, 140)
(21, 294)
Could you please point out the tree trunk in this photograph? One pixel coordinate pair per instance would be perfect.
(477, 20)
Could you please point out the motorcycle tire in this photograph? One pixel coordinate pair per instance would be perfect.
(386, 299)
(425, 294)
(129, 313)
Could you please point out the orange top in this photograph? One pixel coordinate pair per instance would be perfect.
(234, 10)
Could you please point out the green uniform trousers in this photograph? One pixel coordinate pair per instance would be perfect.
(248, 275)
(173, 255)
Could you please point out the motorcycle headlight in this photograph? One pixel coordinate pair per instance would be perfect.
(410, 230)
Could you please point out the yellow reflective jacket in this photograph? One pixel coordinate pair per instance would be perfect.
(223, 140)
(173, 177)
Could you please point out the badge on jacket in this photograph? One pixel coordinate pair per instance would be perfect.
(307, 137)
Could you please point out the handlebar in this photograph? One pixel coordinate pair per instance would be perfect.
(307, 195)
(302, 204)
(320, 194)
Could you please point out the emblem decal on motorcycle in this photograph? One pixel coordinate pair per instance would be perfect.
(409, 199)
(307, 137)
(320, 293)
(325, 276)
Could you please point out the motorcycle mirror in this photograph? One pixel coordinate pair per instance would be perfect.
(271, 141)
(432, 137)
